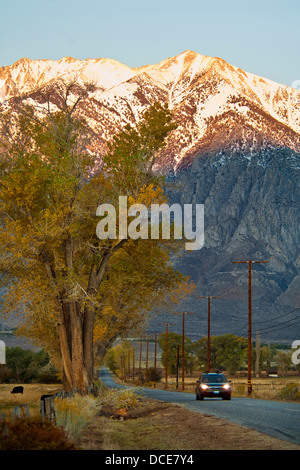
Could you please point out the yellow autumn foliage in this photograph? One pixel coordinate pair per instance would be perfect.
(74, 413)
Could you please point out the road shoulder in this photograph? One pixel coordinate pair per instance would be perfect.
(164, 426)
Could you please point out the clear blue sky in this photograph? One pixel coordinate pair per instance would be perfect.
(262, 37)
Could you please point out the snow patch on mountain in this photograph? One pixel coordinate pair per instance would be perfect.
(216, 105)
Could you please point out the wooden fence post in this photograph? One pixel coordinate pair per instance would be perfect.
(25, 411)
(3, 420)
(49, 406)
(16, 413)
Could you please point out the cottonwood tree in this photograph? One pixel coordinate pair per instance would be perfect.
(76, 293)
(175, 340)
(283, 361)
(226, 352)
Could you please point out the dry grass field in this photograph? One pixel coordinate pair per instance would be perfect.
(31, 397)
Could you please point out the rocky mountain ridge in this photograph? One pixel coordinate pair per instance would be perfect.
(236, 150)
(216, 105)
(252, 212)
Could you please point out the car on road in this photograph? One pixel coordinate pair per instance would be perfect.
(213, 385)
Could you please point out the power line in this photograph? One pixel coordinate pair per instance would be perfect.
(280, 324)
(276, 318)
(255, 323)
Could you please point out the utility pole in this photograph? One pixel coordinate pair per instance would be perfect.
(208, 297)
(133, 364)
(249, 262)
(147, 352)
(128, 363)
(155, 352)
(124, 366)
(140, 363)
(166, 353)
(183, 328)
(257, 348)
(177, 366)
(122, 370)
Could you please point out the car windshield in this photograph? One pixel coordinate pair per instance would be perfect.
(213, 378)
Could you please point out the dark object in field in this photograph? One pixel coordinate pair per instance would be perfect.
(17, 390)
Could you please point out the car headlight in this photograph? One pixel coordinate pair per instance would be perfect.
(226, 386)
(204, 387)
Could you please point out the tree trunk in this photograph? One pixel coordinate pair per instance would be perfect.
(78, 369)
(76, 328)
(88, 344)
(65, 356)
(71, 345)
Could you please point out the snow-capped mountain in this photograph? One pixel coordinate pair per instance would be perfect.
(236, 150)
(218, 106)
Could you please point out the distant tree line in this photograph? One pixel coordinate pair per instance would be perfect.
(27, 366)
(227, 352)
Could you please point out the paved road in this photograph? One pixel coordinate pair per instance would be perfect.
(278, 419)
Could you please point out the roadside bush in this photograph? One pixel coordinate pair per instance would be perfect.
(98, 388)
(127, 399)
(239, 389)
(73, 414)
(117, 399)
(290, 392)
(151, 375)
(33, 434)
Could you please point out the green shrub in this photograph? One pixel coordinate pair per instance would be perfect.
(152, 376)
(98, 388)
(48, 375)
(5, 374)
(27, 366)
(290, 392)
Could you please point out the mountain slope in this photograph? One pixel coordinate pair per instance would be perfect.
(236, 150)
(252, 204)
(216, 105)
